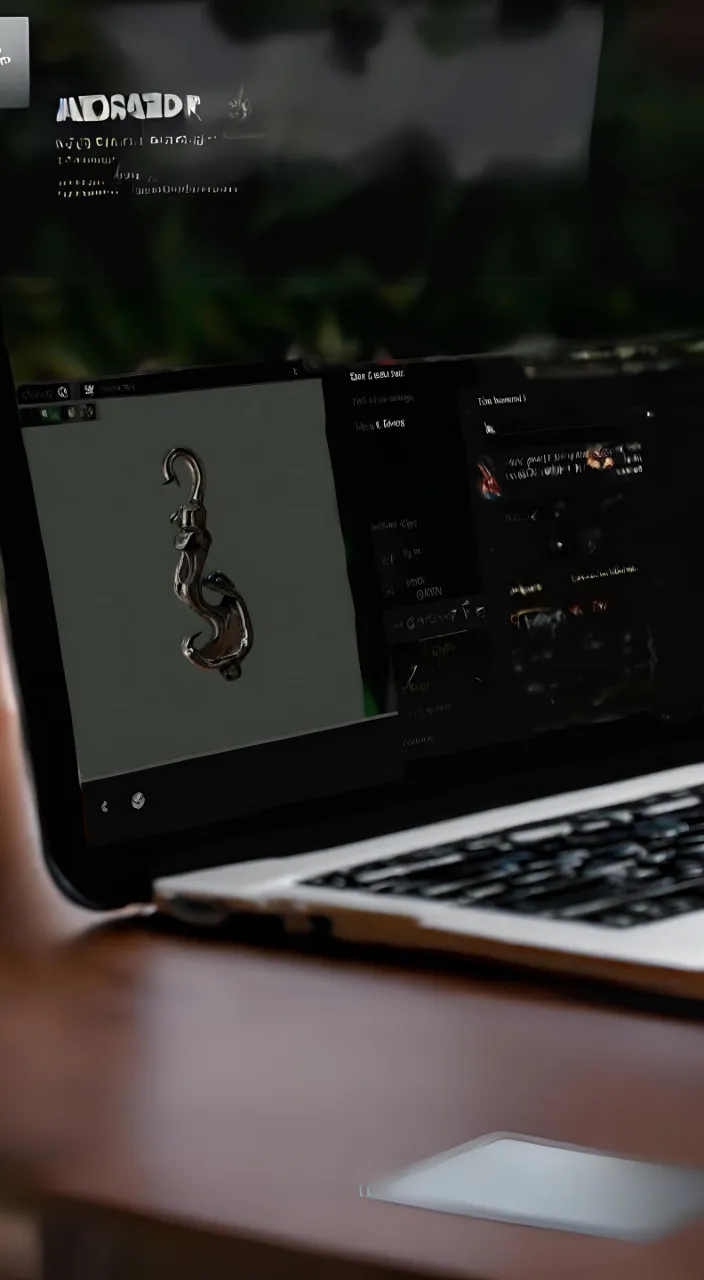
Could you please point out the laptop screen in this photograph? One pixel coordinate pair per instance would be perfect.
(297, 547)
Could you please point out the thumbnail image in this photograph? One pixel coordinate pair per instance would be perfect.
(600, 458)
(487, 483)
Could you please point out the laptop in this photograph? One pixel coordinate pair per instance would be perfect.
(441, 687)
(565, 669)
(313, 616)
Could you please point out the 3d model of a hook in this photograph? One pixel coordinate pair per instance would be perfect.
(229, 620)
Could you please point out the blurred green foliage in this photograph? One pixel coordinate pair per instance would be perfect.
(175, 282)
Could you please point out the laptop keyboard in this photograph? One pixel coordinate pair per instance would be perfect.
(616, 867)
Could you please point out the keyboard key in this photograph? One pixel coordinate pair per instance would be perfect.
(481, 843)
(657, 857)
(336, 880)
(445, 887)
(600, 870)
(572, 860)
(644, 873)
(687, 868)
(533, 877)
(682, 903)
(690, 844)
(649, 910)
(534, 835)
(661, 829)
(482, 892)
(558, 897)
(392, 885)
(574, 910)
(420, 855)
(670, 805)
(365, 877)
(617, 920)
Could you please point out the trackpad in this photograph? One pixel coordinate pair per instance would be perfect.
(509, 1178)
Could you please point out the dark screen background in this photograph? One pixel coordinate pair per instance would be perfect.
(460, 227)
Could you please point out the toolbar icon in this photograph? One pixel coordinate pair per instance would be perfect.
(88, 388)
(138, 800)
(62, 393)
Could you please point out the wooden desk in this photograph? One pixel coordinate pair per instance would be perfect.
(180, 1108)
(212, 1110)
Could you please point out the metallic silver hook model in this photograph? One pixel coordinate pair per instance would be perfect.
(229, 620)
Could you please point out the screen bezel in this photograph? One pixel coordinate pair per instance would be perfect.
(115, 875)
